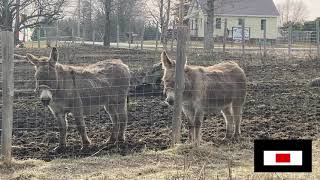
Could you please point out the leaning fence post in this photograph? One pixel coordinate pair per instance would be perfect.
(318, 38)
(7, 94)
(179, 85)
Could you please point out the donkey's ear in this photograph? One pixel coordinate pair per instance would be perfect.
(54, 55)
(32, 59)
(166, 61)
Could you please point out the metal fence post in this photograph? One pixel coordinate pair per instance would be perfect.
(243, 35)
(93, 37)
(142, 35)
(7, 94)
(39, 31)
(318, 38)
(179, 85)
(157, 35)
(290, 40)
(265, 40)
(225, 34)
(57, 33)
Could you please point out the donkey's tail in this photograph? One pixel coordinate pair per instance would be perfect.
(315, 83)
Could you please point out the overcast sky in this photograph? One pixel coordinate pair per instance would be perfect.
(312, 5)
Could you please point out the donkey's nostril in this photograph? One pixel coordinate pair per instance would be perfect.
(45, 102)
(170, 101)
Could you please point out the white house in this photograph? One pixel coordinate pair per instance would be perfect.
(257, 15)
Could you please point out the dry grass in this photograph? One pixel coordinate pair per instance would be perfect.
(183, 162)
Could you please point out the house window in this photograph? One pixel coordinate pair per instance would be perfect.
(263, 24)
(240, 22)
(218, 23)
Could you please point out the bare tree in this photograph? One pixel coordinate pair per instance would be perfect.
(294, 11)
(208, 29)
(107, 30)
(161, 15)
(37, 12)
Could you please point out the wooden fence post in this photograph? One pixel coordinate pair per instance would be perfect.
(7, 94)
(179, 85)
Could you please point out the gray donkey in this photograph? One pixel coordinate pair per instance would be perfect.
(81, 91)
(221, 87)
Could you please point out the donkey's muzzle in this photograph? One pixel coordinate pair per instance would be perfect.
(170, 101)
(45, 102)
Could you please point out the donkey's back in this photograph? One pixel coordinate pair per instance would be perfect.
(103, 83)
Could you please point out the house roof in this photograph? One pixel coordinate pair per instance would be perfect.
(241, 7)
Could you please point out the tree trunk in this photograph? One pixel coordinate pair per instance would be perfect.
(208, 31)
(106, 39)
(165, 29)
(161, 20)
(17, 23)
(90, 19)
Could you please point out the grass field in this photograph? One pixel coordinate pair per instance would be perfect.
(182, 162)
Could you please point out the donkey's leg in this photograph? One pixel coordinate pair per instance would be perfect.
(62, 123)
(123, 120)
(189, 113)
(237, 111)
(198, 118)
(111, 109)
(81, 126)
(228, 116)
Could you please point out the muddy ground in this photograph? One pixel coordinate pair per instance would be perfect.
(279, 105)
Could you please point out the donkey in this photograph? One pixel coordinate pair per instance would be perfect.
(221, 87)
(81, 91)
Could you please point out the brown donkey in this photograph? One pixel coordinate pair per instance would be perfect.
(221, 87)
(81, 91)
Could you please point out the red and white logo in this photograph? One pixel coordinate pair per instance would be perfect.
(282, 158)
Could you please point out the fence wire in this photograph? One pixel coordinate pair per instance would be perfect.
(279, 102)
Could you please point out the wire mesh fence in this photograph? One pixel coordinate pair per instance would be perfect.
(279, 103)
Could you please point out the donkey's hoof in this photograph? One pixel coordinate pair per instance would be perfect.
(59, 149)
(236, 138)
(85, 148)
(112, 141)
(227, 137)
